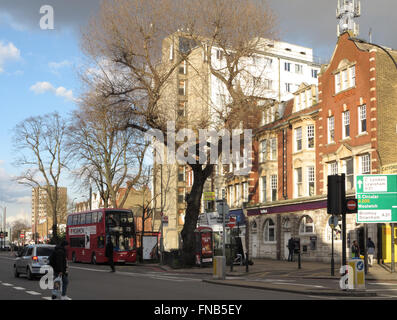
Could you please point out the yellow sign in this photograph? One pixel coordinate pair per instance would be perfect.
(209, 196)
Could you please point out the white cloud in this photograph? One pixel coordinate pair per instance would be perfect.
(8, 52)
(55, 66)
(43, 87)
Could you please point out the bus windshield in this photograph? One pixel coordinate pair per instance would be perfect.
(120, 227)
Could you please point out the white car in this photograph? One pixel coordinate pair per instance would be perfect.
(30, 260)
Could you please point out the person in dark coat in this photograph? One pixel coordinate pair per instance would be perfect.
(109, 253)
(355, 250)
(291, 247)
(58, 262)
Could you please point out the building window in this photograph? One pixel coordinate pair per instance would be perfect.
(310, 181)
(288, 87)
(352, 76)
(238, 194)
(182, 88)
(219, 54)
(262, 156)
(274, 187)
(345, 80)
(298, 68)
(298, 185)
(273, 147)
(231, 196)
(181, 109)
(287, 66)
(331, 129)
(346, 124)
(348, 169)
(332, 168)
(306, 226)
(267, 84)
(314, 73)
(245, 192)
(263, 189)
(182, 68)
(362, 118)
(338, 86)
(310, 136)
(269, 231)
(298, 139)
(365, 164)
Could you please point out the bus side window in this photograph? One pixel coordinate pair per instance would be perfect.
(69, 220)
(74, 221)
(100, 216)
(101, 242)
(88, 218)
(82, 219)
(94, 217)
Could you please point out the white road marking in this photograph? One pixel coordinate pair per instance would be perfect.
(7, 284)
(47, 298)
(33, 293)
(19, 288)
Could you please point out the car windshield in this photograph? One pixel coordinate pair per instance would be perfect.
(44, 251)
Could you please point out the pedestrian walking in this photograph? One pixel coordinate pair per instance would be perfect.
(58, 262)
(109, 253)
(291, 247)
(355, 250)
(370, 251)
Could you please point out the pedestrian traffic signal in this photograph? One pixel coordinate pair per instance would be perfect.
(336, 199)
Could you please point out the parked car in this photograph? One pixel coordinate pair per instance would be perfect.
(30, 260)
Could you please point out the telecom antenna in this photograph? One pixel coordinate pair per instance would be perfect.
(346, 11)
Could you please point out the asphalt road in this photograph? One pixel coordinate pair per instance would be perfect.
(89, 282)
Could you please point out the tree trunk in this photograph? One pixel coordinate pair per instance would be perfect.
(192, 213)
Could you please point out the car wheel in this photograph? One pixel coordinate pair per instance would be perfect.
(29, 274)
(16, 273)
(93, 258)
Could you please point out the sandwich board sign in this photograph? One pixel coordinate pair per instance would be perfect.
(377, 198)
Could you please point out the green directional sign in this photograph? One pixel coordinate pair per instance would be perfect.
(377, 198)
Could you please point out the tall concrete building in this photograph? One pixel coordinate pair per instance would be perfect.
(42, 218)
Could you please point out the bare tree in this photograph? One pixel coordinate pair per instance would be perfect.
(126, 42)
(105, 155)
(40, 146)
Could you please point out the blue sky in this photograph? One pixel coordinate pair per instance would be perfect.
(38, 68)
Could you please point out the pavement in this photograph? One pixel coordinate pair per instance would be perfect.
(281, 275)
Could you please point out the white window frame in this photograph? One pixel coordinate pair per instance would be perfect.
(299, 182)
(304, 225)
(298, 139)
(311, 179)
(273, 181)
(245, 192)
(263, 187)
(331, 127)
(332, 168)
(310, 136)
(365, 164)
(273, 149)
(267, 227)
(362, 115)
(345, 124)
(263, 154)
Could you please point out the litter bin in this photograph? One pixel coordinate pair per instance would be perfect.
(356, 274)
(219, 266)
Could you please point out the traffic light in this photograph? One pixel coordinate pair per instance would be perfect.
(336, 199)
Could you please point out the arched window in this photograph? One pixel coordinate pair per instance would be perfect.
(269, 231)
(306, 226)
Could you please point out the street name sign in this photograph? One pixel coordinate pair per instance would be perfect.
(377, 198)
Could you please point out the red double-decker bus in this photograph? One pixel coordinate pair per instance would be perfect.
(87, 233)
